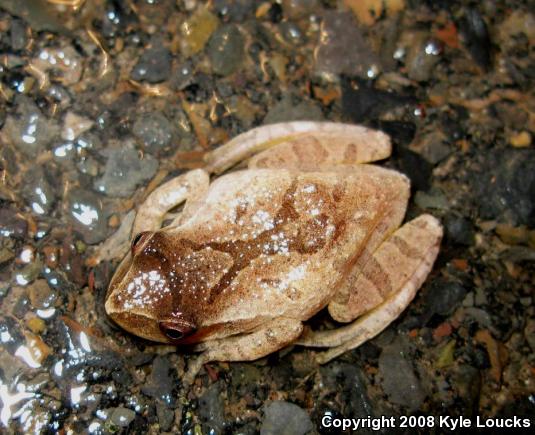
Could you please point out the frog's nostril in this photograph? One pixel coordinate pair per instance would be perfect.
(176, 331)
(139, 240)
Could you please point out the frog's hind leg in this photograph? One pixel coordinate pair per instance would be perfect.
(247, 347)
(392, 275)
(190, 187)
(301, 144)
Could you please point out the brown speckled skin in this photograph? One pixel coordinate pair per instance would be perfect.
(266, 249)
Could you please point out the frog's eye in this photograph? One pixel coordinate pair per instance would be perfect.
(176, 331)
(138, 241)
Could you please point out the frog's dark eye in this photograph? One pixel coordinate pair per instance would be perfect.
(138, 241)
(176, 331)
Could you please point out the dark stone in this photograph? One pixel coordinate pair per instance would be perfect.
(226, 50)
(19, 36)
(399, 380)
(459, 230)
(504, 189)
(11, 223)
(443, 297)
(362, 102)
(415, 167)
(284, 418)
(211, 409)
(85, 212)
(161, 381)
(476, 37)
(154, 66)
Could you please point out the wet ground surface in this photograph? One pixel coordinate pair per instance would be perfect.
(101, 101)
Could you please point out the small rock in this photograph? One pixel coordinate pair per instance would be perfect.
(288, 110)
(342, 48)
(434, 199)
(422, 56)
(64, 63)
(19, 35)
(432, 147)
(284, 418)
(520, 140)
(74, 125)
(443, 297)
(30, 132)
(11, 223)
(154, 65)
(85, 212)
(297, 9)
(460, 230)
(504, 188)
(196, 31)
(291, 33)
(398, 378)
(122, 417)
(529, 333)
(166, 416)
(476, 36)
(41, 295)
(226, 50)
(211, 409)
(37, 191)
(124, 171)
(161, 382)
(153, 130)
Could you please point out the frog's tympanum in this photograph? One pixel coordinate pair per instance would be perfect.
(305, 224)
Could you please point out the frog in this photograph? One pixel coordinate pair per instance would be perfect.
(283, 221)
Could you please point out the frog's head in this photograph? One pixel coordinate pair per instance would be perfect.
(142, 295)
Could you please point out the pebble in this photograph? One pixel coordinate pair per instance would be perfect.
(37, 191)
(18, 34)
(459, 230)
(212, 410)
(161, 382)
(348, 380)
(422, 57)
(504, 188)
(122, 417)
(154, 66)
(124, 171)
(297, 9)
(64, 64)
(226, 50)
(153, 130)
(196, 31)
(85, 212)
(41, 295)
(434, 199)
(399, 381)
(520, 140)
(166, 417)
(443, 297)
(342, 49)
(74, 125)
(285, 418)
(29, 131)
(289, 109)
(476, 36)
(11, 223)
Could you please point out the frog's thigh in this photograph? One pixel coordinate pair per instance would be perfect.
(191, 186)
(248, 347)
(290, 144)
(392, 276)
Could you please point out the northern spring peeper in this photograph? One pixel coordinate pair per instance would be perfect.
(258, 251)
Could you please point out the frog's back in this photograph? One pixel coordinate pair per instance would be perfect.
(283, 239)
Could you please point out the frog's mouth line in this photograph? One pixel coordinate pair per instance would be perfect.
(117, 278)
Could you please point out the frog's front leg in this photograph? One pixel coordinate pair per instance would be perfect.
(190, 187)
(391, 278)
(247, 347)
(301, 144)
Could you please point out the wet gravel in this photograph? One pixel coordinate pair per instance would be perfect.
(99, 99)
